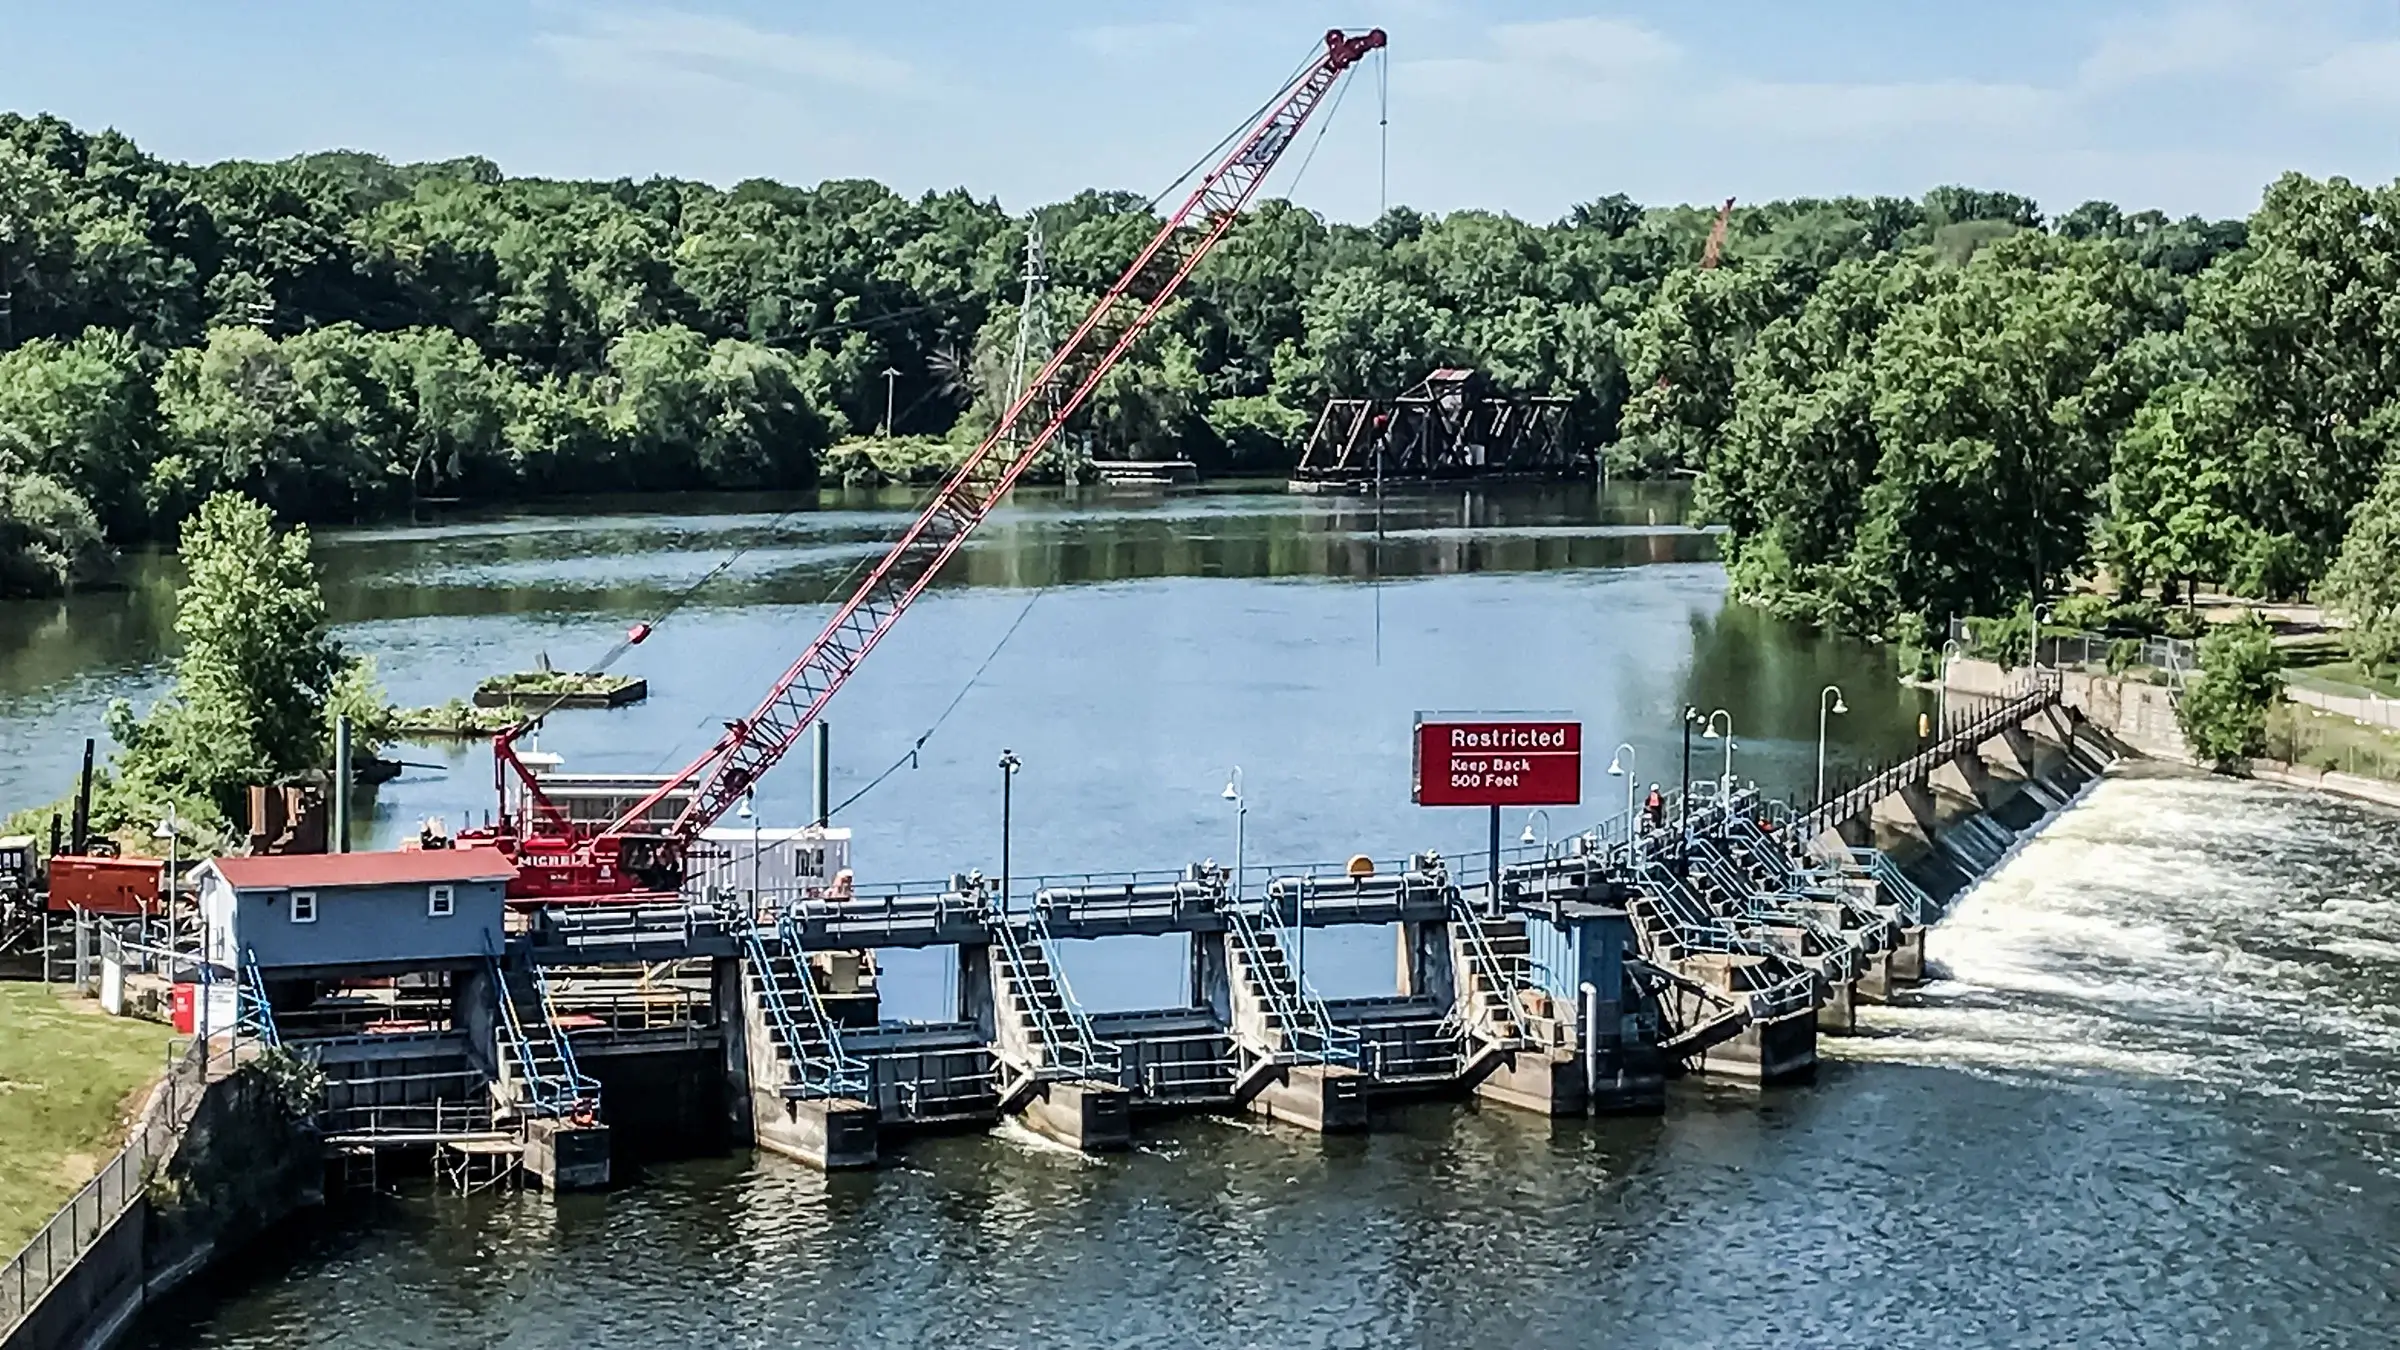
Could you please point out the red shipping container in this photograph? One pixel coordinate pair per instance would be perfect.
(121, 887)
(185, 1005)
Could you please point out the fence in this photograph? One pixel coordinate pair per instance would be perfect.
(2375, 712)
(2297, 741)
(2062, 648)
(46, 1259)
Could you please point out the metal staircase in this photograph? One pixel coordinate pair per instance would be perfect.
(1044, 1035)
(254, 1015)
(805, 1038)
(1496, 972)
(1293, 1024)
(1672, 923)
(535, 1057)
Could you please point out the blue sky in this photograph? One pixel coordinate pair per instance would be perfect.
(1520, 105)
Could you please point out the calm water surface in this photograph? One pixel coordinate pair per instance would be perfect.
(2148, 1101)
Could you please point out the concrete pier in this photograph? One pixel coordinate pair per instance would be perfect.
(1094, 1117)
(1327, 1098)
(567, 1157)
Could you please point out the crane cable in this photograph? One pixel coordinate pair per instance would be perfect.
(909, 756)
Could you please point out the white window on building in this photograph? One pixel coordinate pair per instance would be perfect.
(440, 902)
(304, 907)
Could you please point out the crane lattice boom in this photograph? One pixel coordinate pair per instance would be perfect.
(717, 780)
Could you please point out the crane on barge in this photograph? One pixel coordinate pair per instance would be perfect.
(557, 859)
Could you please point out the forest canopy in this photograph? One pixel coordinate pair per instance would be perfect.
(1901, 408)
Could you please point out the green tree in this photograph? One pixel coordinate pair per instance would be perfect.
(81, 413)
(2224, 711)
(2364, 585)
(49, 540)
(2174, 496)
(258, 668)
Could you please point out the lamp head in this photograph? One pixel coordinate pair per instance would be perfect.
(1710, 734)
(1838, 705)
(1230, 794)
(745, 812)
(1616, 766)
(1527, 837)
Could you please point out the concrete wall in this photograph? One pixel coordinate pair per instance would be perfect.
(355, 925)
(2137, 714)
(243, 1165)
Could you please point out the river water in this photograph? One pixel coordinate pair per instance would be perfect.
(2148, 1099)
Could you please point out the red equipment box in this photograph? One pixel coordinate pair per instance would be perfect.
(121, 887)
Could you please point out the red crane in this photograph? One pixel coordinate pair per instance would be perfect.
(558, 860)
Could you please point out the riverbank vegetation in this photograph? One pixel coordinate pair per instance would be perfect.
(1903, 409)
(70, 1083)
(258, 685)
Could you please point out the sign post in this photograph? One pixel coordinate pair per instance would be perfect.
(1496, 760)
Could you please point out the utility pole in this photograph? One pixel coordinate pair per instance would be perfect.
(889, 374)
(1034, 341)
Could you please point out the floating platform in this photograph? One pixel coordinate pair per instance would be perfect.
(559, 690)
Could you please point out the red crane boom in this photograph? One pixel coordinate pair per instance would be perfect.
(625, 855)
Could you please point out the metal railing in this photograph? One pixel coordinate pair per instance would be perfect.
(1309, 1035)
(86, 1218)
(836, 1073)
(257, 1016)
(2061, 647)
(548, 1092)
(1501, 992)
(2039, 691)
(415, 1122)
(1062, 1034)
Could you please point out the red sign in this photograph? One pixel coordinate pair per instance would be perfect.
(1499, 763)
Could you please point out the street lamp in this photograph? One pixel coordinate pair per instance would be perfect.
(2041, 615)
(1527, 837)
(1009, 764)
(1691, 718)
(889, 374)
(166, 831)
(1709, 733)
(1241, 826)
(749, 812)
(1951, 651)
(1823, 711)
(1620, 765)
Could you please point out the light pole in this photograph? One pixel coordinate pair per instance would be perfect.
(749, 812)
(1527, 838)
(1951, 651)
(1823, 711)
(1691, 718)
(2041, 615)
(1620, 765)
(1009, 764)
(889, 374)
(1241, 826)
(1709, 733)
(166, 831)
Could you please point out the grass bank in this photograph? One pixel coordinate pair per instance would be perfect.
(71, 1078)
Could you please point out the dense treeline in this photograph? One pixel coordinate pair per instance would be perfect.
(1909, 438)
(1903, 408)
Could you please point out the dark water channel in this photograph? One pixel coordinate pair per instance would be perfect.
(2149, 1102)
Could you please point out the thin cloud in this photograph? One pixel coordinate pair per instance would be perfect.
(1118, 40)
(2212, 41)
(1806, 111)
(681, 48)
(2366, 75)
